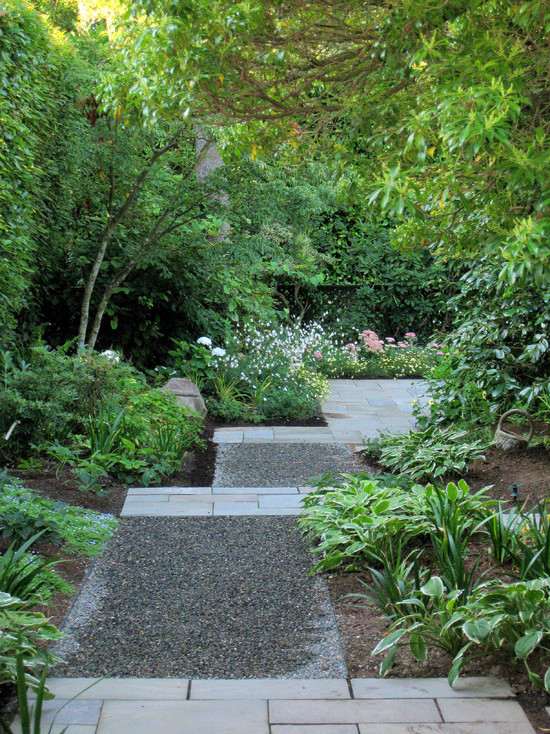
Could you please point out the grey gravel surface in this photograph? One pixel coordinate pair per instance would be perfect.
(280, 465)
(226, 597)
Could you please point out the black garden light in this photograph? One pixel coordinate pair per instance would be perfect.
(514, 491)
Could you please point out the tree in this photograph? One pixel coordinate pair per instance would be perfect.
(442, 107)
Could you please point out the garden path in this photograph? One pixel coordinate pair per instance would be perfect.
(212, 625)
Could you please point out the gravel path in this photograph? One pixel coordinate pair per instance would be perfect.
(226, 597)
(280, 465)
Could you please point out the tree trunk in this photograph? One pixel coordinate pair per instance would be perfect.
(108, 232)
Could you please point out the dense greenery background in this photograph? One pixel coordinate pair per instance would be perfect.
(405, 192)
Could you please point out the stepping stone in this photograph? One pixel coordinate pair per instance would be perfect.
(430, 688)
(354, 712)
(184, 717)
(481, 709)
(270, 688)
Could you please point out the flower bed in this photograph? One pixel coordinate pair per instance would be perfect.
(279, 371)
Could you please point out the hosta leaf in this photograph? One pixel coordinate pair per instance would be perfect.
(391, 639)
(526, 644)
(434, 587)
(418, 647)
(547, 680)
(388, 662)
(476, 630)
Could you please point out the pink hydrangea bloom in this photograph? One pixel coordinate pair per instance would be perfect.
(390, 340)
(402, 345)
(351, 347)
(318, 355)
(410, 335)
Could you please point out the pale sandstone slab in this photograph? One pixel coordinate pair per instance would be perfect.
(184, 717)
(353, 712)
(270, 688)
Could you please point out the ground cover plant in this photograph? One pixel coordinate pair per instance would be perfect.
(31, 525)
(423, 553)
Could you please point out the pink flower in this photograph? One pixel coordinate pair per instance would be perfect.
(351, 347)
(390, 340)
(402, 345)
(318, 355)
(410, 335)
(440, 353)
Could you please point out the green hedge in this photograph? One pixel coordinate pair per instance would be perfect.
(33, 56)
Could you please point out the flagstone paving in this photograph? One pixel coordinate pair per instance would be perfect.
(273, 706)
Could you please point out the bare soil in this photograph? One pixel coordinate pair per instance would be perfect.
(528, 469)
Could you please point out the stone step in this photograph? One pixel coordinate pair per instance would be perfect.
(218, 501)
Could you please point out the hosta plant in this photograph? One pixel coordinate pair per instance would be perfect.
(514, 618)
(431, 453)
(356, 522)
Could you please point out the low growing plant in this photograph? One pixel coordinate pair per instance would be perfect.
(431, 453)
(28, 576)
(23, 513)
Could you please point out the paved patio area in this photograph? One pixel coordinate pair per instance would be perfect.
(274, 706)
(354, 410)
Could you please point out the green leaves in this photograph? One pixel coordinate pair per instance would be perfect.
(434, 587)
(526, 644)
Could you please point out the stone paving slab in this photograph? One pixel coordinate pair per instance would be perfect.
(219, 501)
(286, 706)
(354, 410)
(481, 709)
(468, 687)
(270, 689)
(414, 711)
(499, 727)
(184, 717)
(314, 729)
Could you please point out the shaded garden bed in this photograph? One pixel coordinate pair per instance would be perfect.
(361, 628)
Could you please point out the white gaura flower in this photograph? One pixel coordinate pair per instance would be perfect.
(218, 352)
(111, 355)
(205, 341)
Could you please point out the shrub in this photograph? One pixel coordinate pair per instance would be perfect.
(24, 513)
(52, 394)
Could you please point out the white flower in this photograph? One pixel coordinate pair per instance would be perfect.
(205, 340)
(218, 352)
(111, 355)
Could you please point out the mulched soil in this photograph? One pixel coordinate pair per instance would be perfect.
(226, 597)
(529, 469)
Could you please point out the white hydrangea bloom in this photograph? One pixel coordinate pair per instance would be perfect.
(218, 352)
(205, 341)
